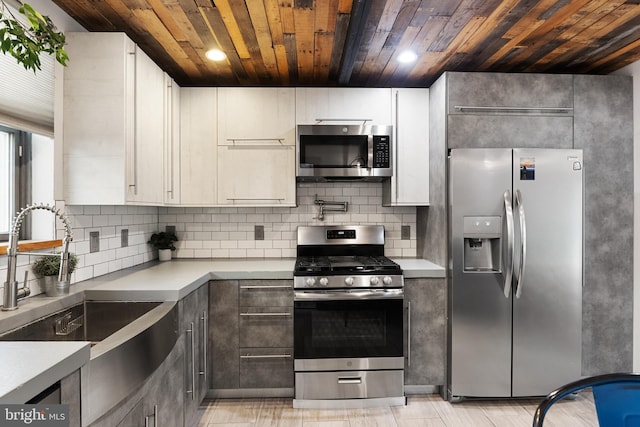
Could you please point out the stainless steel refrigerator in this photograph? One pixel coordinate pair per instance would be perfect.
(516, 257)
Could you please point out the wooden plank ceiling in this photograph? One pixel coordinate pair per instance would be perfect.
(357, 42)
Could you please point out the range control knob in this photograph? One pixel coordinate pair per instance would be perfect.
(310, 281)
(387, 280)
(348, 281)
(324, 281)
(375, 281)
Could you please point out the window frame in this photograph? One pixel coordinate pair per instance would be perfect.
(21, 158)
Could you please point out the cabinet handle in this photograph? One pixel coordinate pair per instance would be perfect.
(395, 143)
(408, 334)
(513, 110)
(266, 287)
(234, 140)
(132, 156)
(349, 380)
(278, 199)
(169, 136)
(193, 363)
(155, 417)
(265, 356)
(205, 338)
(265, 314)
(344, 120)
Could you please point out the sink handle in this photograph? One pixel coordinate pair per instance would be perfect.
(25, 290)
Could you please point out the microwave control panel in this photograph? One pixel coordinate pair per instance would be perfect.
(381, 151)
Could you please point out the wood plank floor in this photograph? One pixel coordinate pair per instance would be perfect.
(421, 411)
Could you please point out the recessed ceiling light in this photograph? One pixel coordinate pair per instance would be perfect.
(215, 55)
(407, 56)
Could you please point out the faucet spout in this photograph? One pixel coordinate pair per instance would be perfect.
(12, 292)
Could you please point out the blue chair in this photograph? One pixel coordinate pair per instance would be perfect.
(616, 397)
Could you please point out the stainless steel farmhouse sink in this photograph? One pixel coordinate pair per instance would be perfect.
(129, 341)
(89, 321)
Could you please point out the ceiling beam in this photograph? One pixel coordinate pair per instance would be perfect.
(357, 24)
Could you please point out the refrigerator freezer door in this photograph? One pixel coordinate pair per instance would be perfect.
(480, 319)
(547, 317)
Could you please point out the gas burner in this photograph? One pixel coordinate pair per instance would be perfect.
(356, 260)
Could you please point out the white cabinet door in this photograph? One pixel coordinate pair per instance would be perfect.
(172, 142)
(251, 115)
(409, 185)
(343, 105)
(198, 134)
(113, 122)
(145, 178)
(98, 114)
(256, 175)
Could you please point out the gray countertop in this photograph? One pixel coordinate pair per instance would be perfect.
(172, 281)
(30, 367)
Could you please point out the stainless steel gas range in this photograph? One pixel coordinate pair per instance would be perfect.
(348, 319)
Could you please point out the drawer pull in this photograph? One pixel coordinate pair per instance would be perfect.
(266, 287)
(266, 356)
(265, 314)
(349, 380)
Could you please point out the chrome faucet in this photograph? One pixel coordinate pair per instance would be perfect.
(12, 293)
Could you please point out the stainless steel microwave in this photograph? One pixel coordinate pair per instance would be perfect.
(344, 152)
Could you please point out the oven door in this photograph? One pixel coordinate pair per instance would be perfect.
(328, 327)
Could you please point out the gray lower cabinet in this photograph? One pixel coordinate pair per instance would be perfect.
(172, 394)
(251, 336)
(194, 320)
(159, 401)
(425, 326)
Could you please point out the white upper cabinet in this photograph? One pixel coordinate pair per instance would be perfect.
(199, 151)
(113, 122)
(256, 147)
(254, 115)
(256, 175)
(145, 153)
(343, 105)
(409, 185)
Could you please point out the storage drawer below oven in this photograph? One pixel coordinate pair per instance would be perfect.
(266, 367)
(349, 384)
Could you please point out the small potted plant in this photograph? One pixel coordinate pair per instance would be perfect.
(46, 268)
(163, 241)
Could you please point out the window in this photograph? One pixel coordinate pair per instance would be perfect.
(26, 172)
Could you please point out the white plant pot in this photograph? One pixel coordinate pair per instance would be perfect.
(164, 254)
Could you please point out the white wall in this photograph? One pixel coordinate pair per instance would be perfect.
(634, 70)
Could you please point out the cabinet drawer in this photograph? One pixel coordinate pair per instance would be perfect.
(266, 367)
(270, 293)
(266, 327)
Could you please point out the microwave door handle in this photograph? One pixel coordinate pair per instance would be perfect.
(370, 151)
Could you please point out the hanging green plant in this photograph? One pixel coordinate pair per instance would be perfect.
(25, 42)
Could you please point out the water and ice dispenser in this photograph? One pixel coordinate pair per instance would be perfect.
(482, 243)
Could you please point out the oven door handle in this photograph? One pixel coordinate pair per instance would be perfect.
(347, 294)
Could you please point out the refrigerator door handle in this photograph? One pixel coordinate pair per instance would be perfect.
(510, 244)
(523, 244)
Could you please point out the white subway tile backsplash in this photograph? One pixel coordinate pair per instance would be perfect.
(224, 232)
(232, 229)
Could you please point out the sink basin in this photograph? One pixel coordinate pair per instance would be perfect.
(90, 321)
(129, 341)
